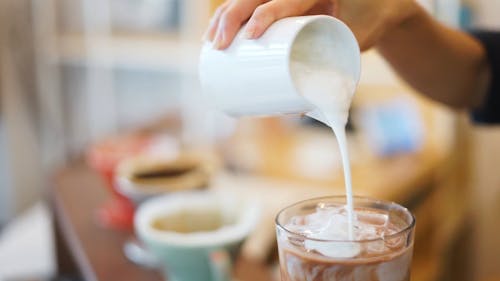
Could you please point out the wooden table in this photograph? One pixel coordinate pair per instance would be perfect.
(95, 253)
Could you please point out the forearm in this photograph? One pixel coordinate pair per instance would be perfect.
(445, 64)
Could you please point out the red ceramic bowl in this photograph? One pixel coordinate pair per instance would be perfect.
(104, 156)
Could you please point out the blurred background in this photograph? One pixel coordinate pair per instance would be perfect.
(75, 74)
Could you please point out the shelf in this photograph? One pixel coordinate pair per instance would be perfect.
(160, 51)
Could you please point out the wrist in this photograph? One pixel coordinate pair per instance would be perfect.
(401, 19)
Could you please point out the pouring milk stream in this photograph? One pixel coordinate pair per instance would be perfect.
(305, 64)
(331, 93)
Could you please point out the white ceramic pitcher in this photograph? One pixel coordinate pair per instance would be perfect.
(253, 77)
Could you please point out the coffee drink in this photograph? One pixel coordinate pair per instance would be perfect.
(158, 175)
(189, 221)
(314, 242)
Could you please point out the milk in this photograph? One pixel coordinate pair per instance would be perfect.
(331, 94)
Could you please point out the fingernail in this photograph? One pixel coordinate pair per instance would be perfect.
(216, 45)
(206, 37)
(219, 41)
(250, 32)
(216, 40)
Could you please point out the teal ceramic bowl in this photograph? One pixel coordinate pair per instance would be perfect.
(168, 225)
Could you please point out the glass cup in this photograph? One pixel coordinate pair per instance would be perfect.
(385, 258)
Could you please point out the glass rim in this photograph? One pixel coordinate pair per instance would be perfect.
(406, 229)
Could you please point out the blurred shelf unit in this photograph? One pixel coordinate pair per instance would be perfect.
(108, 64)
(162, 51)
(158, 34)
(150, 35)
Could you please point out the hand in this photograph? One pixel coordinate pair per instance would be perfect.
(368, 19)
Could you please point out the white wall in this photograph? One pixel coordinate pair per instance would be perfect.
(5, 180)
(486, 13)
(21, 174)
(486, 201)
(23, 163)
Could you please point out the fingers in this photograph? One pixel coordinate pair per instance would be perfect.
(231, 20)
(214, 22)
(272, 11)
